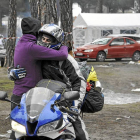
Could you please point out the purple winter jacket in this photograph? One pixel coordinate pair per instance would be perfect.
(28, 55)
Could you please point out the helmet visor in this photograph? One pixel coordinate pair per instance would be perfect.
(48, 41)
(47, 38)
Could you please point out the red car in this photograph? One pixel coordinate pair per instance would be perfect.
(109, 47)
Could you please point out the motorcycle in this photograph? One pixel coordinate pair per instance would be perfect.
(40, 114)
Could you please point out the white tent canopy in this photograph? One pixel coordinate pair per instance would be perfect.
(91, 26)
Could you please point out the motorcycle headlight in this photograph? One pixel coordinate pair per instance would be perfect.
(48, 127)
(18, 127)
(90, 50)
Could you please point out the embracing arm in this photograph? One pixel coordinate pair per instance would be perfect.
(43, 53)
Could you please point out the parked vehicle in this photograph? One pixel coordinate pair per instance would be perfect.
(108, 48)
(40, 114)
(2, 55)
(2, 51)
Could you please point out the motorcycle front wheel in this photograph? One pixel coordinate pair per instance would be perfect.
(44, 138)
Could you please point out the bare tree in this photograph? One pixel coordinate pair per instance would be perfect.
(139, 6)
(99, 6)
(0, 16)
(48, 12)
(85, 4)
(67, 21)
(136, 6)
(33, 8)
(10, 45)
(39, 9)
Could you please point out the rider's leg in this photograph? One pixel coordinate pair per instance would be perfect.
(79, 125)
(80, 129)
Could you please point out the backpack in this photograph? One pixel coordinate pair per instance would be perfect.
(94, 99)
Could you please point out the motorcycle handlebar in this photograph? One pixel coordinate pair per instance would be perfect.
(62, 108)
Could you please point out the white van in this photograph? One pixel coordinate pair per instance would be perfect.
(136, 37)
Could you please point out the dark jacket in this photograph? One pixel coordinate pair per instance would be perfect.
(28, 55)
(71, 69)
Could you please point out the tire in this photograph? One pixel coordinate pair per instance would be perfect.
(136, 56)
(118, 59)
(101, 56)
(2, 62)
(82, 59)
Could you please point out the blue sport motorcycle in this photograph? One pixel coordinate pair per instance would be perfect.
(41, 114)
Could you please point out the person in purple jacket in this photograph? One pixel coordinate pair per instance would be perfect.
(27, 55)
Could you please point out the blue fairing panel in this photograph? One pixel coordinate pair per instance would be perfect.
(19, 115)
(48, 115)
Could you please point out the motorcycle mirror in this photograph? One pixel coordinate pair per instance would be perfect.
(71, 95)
(3, 95)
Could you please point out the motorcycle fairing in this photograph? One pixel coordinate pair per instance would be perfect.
(52, 115)
(65, 129)
(19, 114)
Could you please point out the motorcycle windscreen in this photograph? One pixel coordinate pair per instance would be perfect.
(36, 99)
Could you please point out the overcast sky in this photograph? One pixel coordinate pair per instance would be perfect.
(76, 10)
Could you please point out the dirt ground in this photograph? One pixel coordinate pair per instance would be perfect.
(113, 122)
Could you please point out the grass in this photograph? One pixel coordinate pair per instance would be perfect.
(135, 108)
(132, 108)
(5, 84)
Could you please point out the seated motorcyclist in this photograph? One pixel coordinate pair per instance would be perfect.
(56, 70)
(68, 72)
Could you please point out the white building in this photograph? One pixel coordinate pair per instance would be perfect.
(90, 26)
